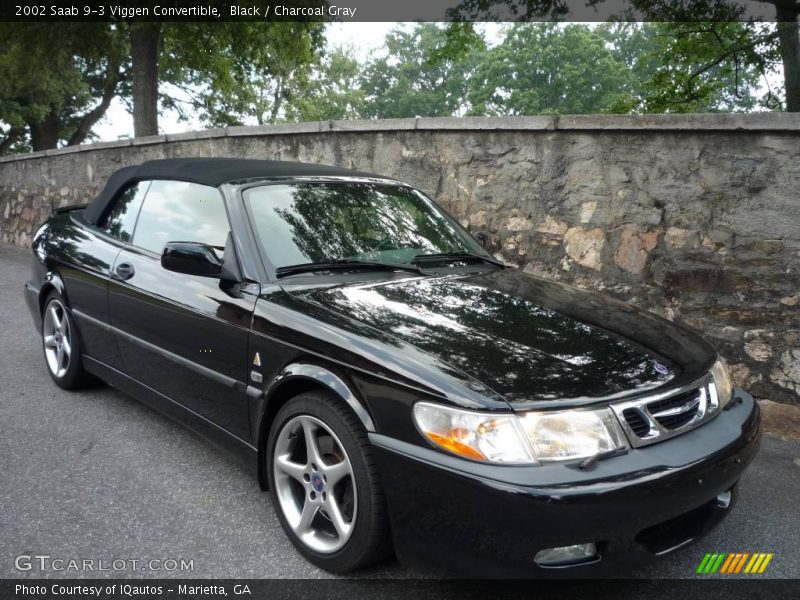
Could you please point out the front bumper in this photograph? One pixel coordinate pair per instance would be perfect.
(490, 521)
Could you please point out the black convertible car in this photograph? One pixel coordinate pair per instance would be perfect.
(392, 384)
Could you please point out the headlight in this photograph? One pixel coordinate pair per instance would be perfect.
(479, 436)
(529, 439)
(722, 382)
(571, 434)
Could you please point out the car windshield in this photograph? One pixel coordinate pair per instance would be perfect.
(333, 221)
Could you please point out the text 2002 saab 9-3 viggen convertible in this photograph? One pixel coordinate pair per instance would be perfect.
(393, 385)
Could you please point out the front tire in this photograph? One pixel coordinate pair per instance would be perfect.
(62, 346)
(324, 484)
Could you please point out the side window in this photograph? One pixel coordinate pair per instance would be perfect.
(177, 211)
(120, 222)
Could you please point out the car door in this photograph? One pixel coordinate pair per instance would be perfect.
(90, 252)
(184, 336)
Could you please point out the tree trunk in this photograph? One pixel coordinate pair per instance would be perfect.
(44, 134)
(789, 40)
(277, 100)
(93, 116)
(145, 38)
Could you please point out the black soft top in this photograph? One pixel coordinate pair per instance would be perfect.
(207, 171)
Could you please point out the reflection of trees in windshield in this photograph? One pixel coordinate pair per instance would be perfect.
(331, 221)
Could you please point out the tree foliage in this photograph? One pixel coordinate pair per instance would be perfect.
(713, 66)
(54, 93)
(230, 71)
(542, 68)
(724, 48)
(552, 68)
(408, 81)
(697, 57)
(332, 92)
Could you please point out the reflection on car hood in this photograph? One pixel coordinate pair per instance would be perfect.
(528, 339)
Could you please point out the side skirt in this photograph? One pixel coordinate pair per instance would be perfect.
(242, 451)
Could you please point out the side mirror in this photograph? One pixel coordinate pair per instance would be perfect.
(191, 258)
(480, 238)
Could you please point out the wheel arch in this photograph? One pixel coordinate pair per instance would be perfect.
(295, 379)
(52, 281)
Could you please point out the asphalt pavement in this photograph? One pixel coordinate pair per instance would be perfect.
(96, 475)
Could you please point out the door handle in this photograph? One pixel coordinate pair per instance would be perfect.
(124, 271)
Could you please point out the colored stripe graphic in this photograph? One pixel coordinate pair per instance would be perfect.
(752, 563)
(710, 564)
(727, 564)
(703, 563)
(757, 566)
(718, 564)
(766, 562)
(740, 564)
(730, 563)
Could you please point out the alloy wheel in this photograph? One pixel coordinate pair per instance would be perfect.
(56, 335)
(314, 484)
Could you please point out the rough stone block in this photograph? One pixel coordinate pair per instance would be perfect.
(585, 246)
(634, 248)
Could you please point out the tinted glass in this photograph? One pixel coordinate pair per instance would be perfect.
(313, 222)
(176, 211)
(121, 221)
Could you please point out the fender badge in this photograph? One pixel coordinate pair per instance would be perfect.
(660, 368)
(257, 360)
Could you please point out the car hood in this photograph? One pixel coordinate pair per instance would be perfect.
(532, 341)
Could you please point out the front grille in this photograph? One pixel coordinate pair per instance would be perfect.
(673, 401)
(677, 411)
(636, 421)
(677, 421)
(661, 416)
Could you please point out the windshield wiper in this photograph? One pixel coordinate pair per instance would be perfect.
(591, 461)
(421, 259)
(344, 264)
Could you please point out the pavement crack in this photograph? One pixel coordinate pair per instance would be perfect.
(88, 448)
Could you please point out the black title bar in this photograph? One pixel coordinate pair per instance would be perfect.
(392, 10)
(399, 589)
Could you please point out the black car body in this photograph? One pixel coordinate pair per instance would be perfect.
(227, 345)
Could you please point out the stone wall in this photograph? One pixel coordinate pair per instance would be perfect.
(695, 217)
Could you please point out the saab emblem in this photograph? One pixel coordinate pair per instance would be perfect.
(257, 360)
(660, 368)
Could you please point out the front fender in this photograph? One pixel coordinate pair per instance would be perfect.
(296, 378)
(298, 372)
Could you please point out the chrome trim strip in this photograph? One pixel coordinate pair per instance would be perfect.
(706, 405)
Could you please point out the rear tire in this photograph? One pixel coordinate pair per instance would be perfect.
(62, 346)
(325, 485)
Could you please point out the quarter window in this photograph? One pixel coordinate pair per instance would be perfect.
(120, 222)
(178, 211)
